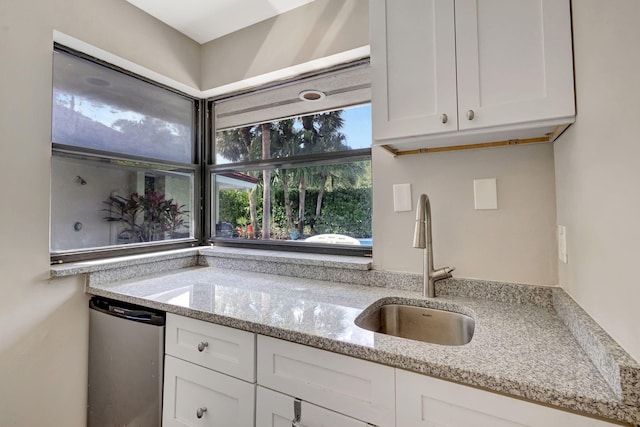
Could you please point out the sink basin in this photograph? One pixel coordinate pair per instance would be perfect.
(419, 323)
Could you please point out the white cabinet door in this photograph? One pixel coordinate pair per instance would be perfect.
(423, 401)
(457, 72)
(196, 396)
(413, 67)
(223, 349)
(275, 409)
(350, 386)
(514, 61)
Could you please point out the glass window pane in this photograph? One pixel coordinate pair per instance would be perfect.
(314, 204)
(338, 130)
(99, 108)
(97, 204)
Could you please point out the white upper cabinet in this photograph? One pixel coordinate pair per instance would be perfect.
(413, 67)
(454, 72)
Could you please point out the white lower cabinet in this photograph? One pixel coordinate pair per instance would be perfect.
(428, 402)
(196, 396)
(223, 349)
(209, 375)
(205, 386)
(356, 388)
(275, 409)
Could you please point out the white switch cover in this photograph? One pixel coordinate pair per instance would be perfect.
(401, 197)
(562, 243)
(485, 193)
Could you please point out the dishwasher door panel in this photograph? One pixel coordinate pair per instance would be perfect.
(125, 372)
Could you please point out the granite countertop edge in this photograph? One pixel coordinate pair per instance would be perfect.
(608, 409)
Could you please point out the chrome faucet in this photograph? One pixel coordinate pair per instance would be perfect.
(422, 240)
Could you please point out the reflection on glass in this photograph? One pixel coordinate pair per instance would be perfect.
(305, 204)
(117, 203)
(99, 108)
(280, 302)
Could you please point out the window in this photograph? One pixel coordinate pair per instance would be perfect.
(284, 166)
(125, 166)
(290, 173)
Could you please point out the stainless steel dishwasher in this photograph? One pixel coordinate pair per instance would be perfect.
(126, 349)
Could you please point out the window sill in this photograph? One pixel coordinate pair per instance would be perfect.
(201, 255)
(93, 266)
(283, 257)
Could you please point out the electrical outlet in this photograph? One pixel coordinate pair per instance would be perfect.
(562, 243)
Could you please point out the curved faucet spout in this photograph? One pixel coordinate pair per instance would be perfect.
(422, 240)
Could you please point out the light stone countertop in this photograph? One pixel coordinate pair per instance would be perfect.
(522, 350)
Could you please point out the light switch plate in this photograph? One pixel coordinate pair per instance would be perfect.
(562, 243)
(401, 197)
(485, 193)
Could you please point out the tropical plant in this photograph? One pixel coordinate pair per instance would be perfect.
(314, 133)
(146, 218)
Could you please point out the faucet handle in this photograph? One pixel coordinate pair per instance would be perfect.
(442, 273)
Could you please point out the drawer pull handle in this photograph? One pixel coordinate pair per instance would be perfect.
(444, 118)
(200, 412)
(201, 347)
(297, 413)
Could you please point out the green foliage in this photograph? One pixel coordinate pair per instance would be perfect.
(233, 207)
(146, 218)
(346, 211)
(337, 198)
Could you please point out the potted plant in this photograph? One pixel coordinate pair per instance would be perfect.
(147, 217)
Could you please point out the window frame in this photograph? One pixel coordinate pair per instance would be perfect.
(308, 160)
(203, 169)
(69, 151)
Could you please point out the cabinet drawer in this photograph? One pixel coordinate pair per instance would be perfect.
(275, 409)
(190, 388)
(216, 347)
(357, 388)
(425, 402)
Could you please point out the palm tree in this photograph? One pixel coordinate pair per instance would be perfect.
(286, 143)
(321, 133)
(266, 180)
(237, 144)
(314, 133)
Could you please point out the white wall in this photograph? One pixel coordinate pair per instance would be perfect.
(309, 33)
(43, 343)
(598, 170)
(514, 243)
(75, 202)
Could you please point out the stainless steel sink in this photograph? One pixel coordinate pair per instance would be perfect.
(419, 323)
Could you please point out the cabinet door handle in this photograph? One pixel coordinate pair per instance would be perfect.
(470, 114)
(444, 118)
(200, 412)
(297, 413)
(202, 346)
